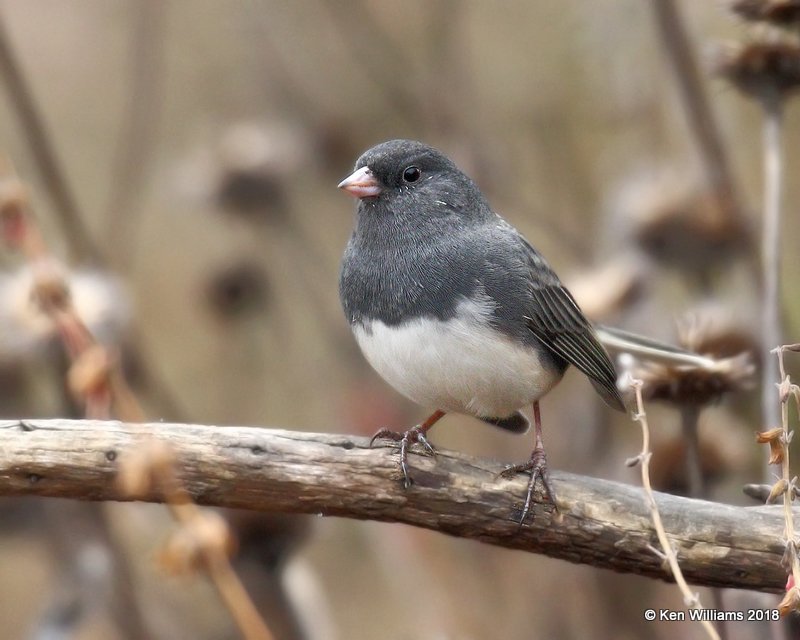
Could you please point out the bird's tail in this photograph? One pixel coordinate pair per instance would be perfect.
(620, 341)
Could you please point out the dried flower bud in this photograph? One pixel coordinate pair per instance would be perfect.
(247, 170)
(774, 438)
(143, 470)
(97, 300)
(188, 548)
(790, 602)
(238, 291)
(90, 371)
(678, 223)
(768, 71)
(778, 489)
(50, 289)
(784, 390)
(633, 461)
(13, 206)
(777, 12)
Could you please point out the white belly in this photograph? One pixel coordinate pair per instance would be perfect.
(460, 365)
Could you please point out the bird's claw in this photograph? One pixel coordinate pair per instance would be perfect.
(537, 467)
(406, 439)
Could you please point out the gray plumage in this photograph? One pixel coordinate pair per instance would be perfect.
(433, 248)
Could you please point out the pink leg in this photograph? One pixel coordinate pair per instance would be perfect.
(407, 438)
(536, 465)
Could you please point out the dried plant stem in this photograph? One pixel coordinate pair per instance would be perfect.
(690, 599)
(705, 131)
(80, 242)
(788, 495)
(216, 563)
(771, 329)
(691, 437)
(696, 482)
(52, 291)
(138, 132)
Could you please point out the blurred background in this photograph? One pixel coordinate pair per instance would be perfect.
(201, 144)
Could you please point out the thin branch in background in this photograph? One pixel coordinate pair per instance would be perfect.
(138, 132)
(79, 242)
(695, 479)
(65, 206)
(690, 599)
(766, 70)
(91, 375)
(771, 323)
(382, 62)
(95, 573)
(95, 378)
(203, 541)
(705, 131)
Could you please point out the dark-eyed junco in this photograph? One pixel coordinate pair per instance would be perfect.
(452, 306)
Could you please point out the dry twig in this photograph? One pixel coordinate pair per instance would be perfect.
(606, 524)
(95, 378)
(690, 599)
(786, 486)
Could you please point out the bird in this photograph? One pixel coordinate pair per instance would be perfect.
(454, 308)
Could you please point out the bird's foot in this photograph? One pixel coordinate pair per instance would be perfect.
(406, 439)
(537, 467)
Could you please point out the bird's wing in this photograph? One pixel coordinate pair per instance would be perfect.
(558, 322)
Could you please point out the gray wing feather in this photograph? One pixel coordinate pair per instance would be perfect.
(558, 322)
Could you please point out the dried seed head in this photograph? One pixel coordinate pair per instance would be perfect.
(774, 438)
(767, 71)
(731, 371)
(246, 171)
(777, 12)
(684, 384)
(677, 223)
(715, 330)
(25, 328)
(189, 547)
(238, 291)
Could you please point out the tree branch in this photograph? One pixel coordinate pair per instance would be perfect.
(606, 524)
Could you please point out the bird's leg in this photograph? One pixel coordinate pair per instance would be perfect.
(407, 438)
(537, 466)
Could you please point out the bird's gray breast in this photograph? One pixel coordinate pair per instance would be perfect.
(405, 276)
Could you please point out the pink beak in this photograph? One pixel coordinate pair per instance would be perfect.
(361, 184)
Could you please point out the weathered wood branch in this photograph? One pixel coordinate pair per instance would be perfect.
(605, 524)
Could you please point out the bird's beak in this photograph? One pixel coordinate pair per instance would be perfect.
(361, 184)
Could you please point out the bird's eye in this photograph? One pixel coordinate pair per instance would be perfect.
(411, 174)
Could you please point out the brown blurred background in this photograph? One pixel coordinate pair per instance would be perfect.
(204, 140)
